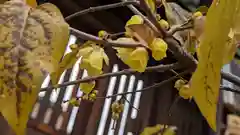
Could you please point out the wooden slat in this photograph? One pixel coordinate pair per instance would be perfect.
(108, 121)
(145, 106)
(97, 109)
(45, 102)
(125, 89)
(130, 122)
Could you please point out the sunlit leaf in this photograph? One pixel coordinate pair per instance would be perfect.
(85, 64)
(156, 129)
(142, 32)
(152, 130)
(87, 87)
(185, 92)
(139, 59)
(135, 58)
(169, 131)
(135, 19)
(93, 57)
(231, 47)
(147, 37)
(31, 41)
(152, 5)
(205, 81)
(74, 102)
(67, 62)
(159, 48)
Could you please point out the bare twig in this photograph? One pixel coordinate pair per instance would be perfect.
(226, 88)
(99, 8)
(174, 103)
(179, 53)
(175, 29)
(148, 88)
(146, 20)
(130, 103)
(152, 17)
(115, 34)
(126, 71)
(87, 36)
(231, 78)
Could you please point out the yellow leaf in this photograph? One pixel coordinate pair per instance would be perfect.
(102, 34)
(67, 62)
(135, 19)
(205, 81)
(156, 129)
(93, 57)
(74, 102)
(135, 58)
(142, 32)
(139, 59)
(169, 131)
(169, 12)
(96, 59)
(185, 92)
(31, 43)
(32, 3)
(152, 5)
(179, 83)
(87, 87)
(159, 48)
(85, 51)
(231, 48)
(85, 64)
(152, 130)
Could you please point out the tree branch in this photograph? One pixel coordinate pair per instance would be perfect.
(179, 53)
(152, 17)
(123, 72)
(231, 78)
(148, 88)
(226, 88)
(87, 36)
(175, 29)
(99, 8)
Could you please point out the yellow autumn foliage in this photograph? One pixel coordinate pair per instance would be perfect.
(154, 130)
(87, 87)
(135, 58)
(32, 40)
(159, 48)
(205, 82)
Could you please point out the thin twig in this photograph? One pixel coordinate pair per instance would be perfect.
(126, 71)
(87, 36)
(130, 103)
(152, 17)
(174, 103)
(231, 78)
(226, 88)
(177, 74)
(178, 28)
(99, 8)
(114, 35)
(148, 88)
(146, 20)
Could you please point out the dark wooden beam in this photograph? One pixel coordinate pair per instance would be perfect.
(87, 22)
(115, 23)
